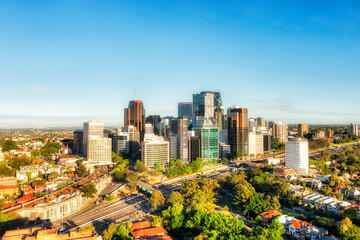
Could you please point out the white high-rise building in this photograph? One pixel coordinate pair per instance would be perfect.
(256, 143)
(154, 149)
(99, 150)
(354, 129)
(92, 129)
(297, 154)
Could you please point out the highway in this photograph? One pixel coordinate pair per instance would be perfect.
(100, 215)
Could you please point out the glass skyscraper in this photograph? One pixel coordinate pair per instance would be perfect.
(209, 141)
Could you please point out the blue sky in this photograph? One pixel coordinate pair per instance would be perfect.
(65, 62)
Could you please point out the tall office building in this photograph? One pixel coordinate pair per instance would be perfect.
(209, 140)
(164, 128)
(99, 150)
(173, 147)
(252, 124)
(120, 143)
(279, 131)
(354, 129)
(267, 142)
(303, 129)
(206, 104)
(92, 129)
(297, 154)
(78, 141)
(238, 130)
(256, 143)
(261, 122)
(179, 128)
(154, 120)
(194, 147)
(135, 116)
(154, 149)
(133, 139)
(185, 109)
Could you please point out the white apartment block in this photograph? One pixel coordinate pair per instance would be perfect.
(256, 143)
(154, 150)
(92, 129)
(99, 150)
(297, 154)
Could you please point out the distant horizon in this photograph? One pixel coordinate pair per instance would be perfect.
(66, 62)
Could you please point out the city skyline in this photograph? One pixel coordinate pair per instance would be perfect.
(64, 63)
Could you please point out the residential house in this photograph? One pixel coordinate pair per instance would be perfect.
(144, 230)
(268, 216)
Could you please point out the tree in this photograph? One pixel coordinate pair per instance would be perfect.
(52, 176)
(2, 203)
(9, 145)
(157, 166)
(156, 200)
(109, 232)
(175, 197)
(179, 163)
(89, 189)
(157, 221)
(255, 172)
(350, 213)
(199, 191)
(122, 232)
(141, 166)
(131, 179)
(197, 165)
(81, 171)
(256, 205)
(35, 153)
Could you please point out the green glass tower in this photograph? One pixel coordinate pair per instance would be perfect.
(209, 138)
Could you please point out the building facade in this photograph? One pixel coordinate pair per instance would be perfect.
(133, 139)
(92, 129)
(154, 149)
(209, 141)
(354, 129)
(279, 131)
(120, 142)
(134, 115)
(99, 150)
(303, 129)
(238, 131)
(154, 121)
(185, 109)
(78, 141)
(297, 154)
(179, 128)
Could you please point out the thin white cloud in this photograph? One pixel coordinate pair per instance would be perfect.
(37, 88)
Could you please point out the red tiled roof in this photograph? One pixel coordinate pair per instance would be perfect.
(355, 206)
(298, 224)
(140, 225)
(149, 232)
(338, 188)
(25, 198)
(2, 187)
(40, 186)
(270, 214)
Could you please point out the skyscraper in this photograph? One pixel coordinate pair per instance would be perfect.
(297, 154)
(78, 141)
(303, 129)
(120, 143)
(92, 129)
(209, 140)
(135, 116)
(205, 104)
(238, 130)
(261, 122)
(154, 120)
(185, 109)
(133, 138)
(179, 128)
(279, 131)
(354, 129)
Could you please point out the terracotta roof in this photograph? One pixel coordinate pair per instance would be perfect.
(149, 232)
(140, 225)
(298, 224)
(338, 188)
(270, 214)
(26, 197)
(2, 187)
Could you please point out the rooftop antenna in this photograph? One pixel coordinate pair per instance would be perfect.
(135, 93)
